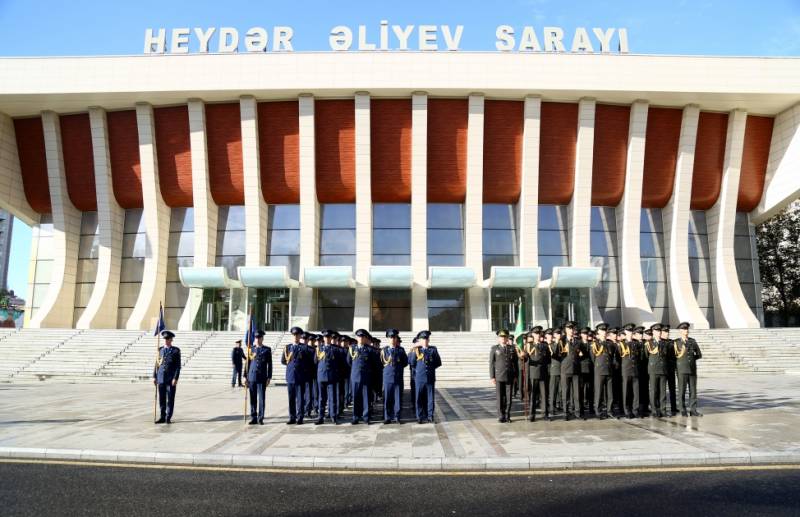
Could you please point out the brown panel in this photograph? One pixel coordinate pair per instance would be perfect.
(123, 148)
(447, 150)
(33, 163)
(334, 143)
(502, 150)
(390, 150)
(559, 134)
(76, 144)
(224, 141)
(709, 157)
(610, 154)
(660, 155)
(174, 155)
(757, 140)
(278, 144)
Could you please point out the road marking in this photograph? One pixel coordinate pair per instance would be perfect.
(407, 473)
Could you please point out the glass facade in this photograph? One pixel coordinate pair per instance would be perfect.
(270, 308)
(746, 255)
(505, 307)
(553, 235)
(231, 239)
(43, 235)
(391, 308)
(335, 309)
(180, 253)
(445, 234)
(86, 274)
(653, 262)
(283, 238)
(447, 310)
(134, 247)
(700, 264)
(603, 251)
(337, 235)
(500, 240)
(391, 234)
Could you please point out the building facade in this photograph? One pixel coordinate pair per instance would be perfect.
(451, 191)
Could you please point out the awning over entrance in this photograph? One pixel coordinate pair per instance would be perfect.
(207, 277)
(391, 276)
(328, 276)
(440, 277)
(512, 276)
(266, 276)
(572, 277)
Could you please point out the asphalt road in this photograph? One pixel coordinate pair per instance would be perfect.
(54, 489)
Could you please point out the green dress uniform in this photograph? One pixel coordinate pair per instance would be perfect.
(657, 370)
(554, 384)
(603, 358)
(538, 360)
(687, 353)
(570, 375)
(503, 368)
(629, 354)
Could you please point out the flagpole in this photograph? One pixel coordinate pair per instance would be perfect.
(248, 337)
(158, 348)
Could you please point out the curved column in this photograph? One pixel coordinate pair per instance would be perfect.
(473, 213)
(255, 208)
(730, 306)
(58, 307)
(309, 209)
(12, 195)
(528, 204)
(101, 310)
(634, 304)
(156, 220)
(419, 210)
(362, 311)
(683, 303)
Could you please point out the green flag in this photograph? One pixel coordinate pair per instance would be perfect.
(519, 329)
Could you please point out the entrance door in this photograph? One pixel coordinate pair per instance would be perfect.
(569, 305)
(214, 313)
(270, 308)
(505, 307)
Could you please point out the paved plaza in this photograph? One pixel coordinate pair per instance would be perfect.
(748, 420)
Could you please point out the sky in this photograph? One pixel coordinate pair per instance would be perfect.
(682, 27)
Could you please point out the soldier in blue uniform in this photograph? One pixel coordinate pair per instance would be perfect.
(237, 356)
(327, 358)
(411, 382)
(310, 387)
(259, 376)
(394, 361)
(360, 359)
(165, 376)
(425, 360)
(344, 372)
(295, 357)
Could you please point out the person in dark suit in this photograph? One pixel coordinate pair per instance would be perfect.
(687, 353)
(165, 376)
(503, 367)
(259, 376)
(394, 361)
(295, 357)
(237, 358)
(424, 360)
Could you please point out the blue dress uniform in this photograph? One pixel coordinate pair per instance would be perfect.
(343, 375)
(259, 375)
(310, 388)
(425, 361)
(347, 344)
(295, 358)
(360, 358)
(411, 382)
(326, 358)
(165, 376)
(394, 361)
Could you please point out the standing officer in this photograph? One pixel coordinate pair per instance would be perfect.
(555, 372)
(310, 386)
(165, 376)
(503, 368)
(586, 379)
(425, 360)
(657, 370)
(394, 360)
(670, 368)
(412, 383)
(644, 379)
(326, 359)
(570, 372)
(237, 356)
(258, 378)
(603, 358)
(537, 354)
(629, 356)
(360, 360)
(295, 357)
(344, 379)
(687, 352)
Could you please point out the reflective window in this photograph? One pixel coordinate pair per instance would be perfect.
(180, 254)
(552, 237)
(134, 245)
(337, 215)
(391, 309)
(283, 238)
(445, 234)
(603, 250)
(700, 263)
(500, 244)
(86, 273)
(231, 239)
(335, 308)
(447, 310)
(746, 256)
(337, 235)
(391, 234)
(652, 261)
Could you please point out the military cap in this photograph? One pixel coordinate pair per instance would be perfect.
(569, 325)
(259, 333)
(308, 335)
(591, 333)
(655, 326)
(557, 330)
(238, 341)
(548, 332)
(424, 334)
(296, 330)
(664, 327)
(392, 333)
(629, 327)
(684, 325)
(537, 329)
(327, 332)
(362, 332)
(613, 330)
(648, 332)
(414, 340)
(638, 330)
(502, 333)
(585, 330)
(601, 326)
(167, 334)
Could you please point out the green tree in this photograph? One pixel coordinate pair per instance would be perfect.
(778, 241)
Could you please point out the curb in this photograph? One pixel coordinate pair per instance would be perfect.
(488, 464)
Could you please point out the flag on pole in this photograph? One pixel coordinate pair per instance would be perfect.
(250, 333)
(160, 325)
(519, 329)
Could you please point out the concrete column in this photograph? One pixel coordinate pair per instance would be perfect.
(36, 228)
(309, 210)
(528, 204)
(363, 212)
(101, 310)
(156, 221)
(12, 194)
(58, 306)
(730, 306)
(683, 303)
(255, 208)
(580, 208)
(419, 210)
(634, 304)
(473, 213)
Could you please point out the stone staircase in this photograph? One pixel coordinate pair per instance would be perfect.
(768, 351)
(20, 349)
(213, 360)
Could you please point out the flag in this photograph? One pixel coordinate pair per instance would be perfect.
(519, 329)
(250, 333)
(160, 326)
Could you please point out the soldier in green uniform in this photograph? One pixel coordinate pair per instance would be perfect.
(537, 357)
(570, 372)
(586, 379)
(657, 370)
(670, 371)
(555, 373)
(687, 352)
(503, 367)
(602, 353)
(644, 381)
(629, 357)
